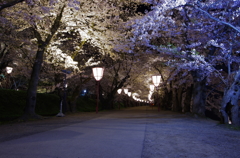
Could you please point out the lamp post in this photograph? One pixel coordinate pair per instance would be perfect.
(125, 98)
(150, 95)
(151, 88)
(98, 74)
(63, 104)
(156, 81)
(129, 101)
(9, 71)
(119, 92)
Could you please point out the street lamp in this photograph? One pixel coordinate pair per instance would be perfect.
(129, 101)
(125, 91)
(9, 71)
(98, 74)
(151, 88)
(119, 91)
(156, 81)
(64, 97)
(125, 98)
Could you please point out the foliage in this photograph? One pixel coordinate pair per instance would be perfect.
(197, 40)
(13, 104)
(185, 41)
(86, 104)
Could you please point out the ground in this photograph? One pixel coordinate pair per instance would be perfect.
(167, 134)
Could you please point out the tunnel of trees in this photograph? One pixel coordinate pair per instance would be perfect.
(192, 44)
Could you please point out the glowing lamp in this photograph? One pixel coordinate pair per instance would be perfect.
(156, 80)
(9, 70)
(98, 73)
(125, 91)
(119, 91)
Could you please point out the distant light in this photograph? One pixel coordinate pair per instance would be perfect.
(9, 70)
(119, 91)
(125, 91)
(156, 80)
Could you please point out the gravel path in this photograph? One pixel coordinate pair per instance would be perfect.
(171, 135)
(167, 134)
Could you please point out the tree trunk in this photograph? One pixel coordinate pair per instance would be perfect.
(199, 97)
(32, 88)
(108, 102)
(174, 100)
(167, 100)
(179, 98)
(187, 100)
(74, 97)
(230, 102)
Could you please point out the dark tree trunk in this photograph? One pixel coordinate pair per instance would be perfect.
(199, 97)
(73, 99)
(32, 88)
(72, 102)
(108, 102)
(8, 4)
(179, 98)
(174, 100)
(230, 108)
(187, 100)
(198, 93)
(167, 100)
(164, 99)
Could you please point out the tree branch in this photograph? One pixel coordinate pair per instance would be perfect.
(55, 25)
(9, 4)
(211, 17)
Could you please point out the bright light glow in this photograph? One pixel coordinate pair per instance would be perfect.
(151, 87)
(156, 80)
(98, 73)
(129, 94)
(119, 91)
(151, 92)
(125, 91)
(149, 97)
(9, 70)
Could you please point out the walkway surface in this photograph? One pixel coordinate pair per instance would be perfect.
(139, 132)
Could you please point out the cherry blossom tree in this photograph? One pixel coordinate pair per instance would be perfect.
(96, 22)
(196, 37)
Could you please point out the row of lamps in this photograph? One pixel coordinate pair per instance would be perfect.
(156, 81)
(98, 74)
